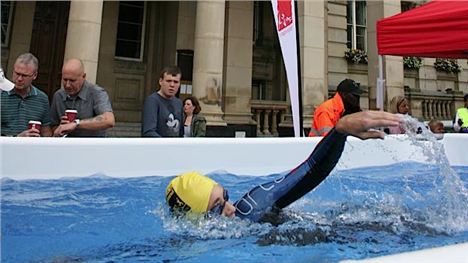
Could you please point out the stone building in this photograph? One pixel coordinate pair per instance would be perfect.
(229, 55)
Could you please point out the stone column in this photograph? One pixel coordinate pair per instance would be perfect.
(83, 34)
(21, 31)
(237, 84)
(208, 60)
(313, 42)
(392, 65)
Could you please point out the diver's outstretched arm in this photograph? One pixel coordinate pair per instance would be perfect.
(358, 124)
(327, 153)
(305, 177)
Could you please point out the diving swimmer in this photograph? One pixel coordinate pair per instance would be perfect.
(195, 193)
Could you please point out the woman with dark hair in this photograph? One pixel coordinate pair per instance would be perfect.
(194, 122)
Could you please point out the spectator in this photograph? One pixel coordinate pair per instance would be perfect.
(345, 101)
(194, 122)
(436, 126)
(162, 112)
(24, 102)
(398, 104)
(91, 102)
(460, 123)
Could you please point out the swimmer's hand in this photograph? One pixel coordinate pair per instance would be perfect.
(360, 124)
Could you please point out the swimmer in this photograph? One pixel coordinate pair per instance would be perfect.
(436, 126)
(195, 193)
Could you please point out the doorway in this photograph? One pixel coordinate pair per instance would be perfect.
(48, 43)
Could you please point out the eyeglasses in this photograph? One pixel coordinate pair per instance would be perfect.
(219, 207)
(22, 75)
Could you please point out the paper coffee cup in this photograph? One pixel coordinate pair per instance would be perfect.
(35, 125)
(71, 115)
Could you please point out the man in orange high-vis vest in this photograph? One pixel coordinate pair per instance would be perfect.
(345, 101)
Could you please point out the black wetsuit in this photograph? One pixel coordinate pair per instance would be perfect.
(271, 197)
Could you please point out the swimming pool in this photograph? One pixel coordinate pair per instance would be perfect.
(356, 213)
(124, 219)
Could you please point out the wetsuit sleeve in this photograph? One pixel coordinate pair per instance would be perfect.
(283, 191)
(316, 168)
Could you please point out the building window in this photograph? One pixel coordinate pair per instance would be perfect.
(7, 14)
(258, 22)
(131, 30)
(407, 5)
(185, 63)
(356, 25)
(258, 89)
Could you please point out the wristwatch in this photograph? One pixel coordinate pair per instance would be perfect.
(77, 121)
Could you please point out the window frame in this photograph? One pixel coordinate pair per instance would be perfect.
(142, 40)
(6, 42)
(354, 25)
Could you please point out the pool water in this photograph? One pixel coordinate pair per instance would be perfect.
(354, 214)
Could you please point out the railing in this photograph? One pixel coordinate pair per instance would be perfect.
(429, 105)
(437, 108)
(268, 115)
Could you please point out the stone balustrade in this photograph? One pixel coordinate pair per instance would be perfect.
(268, 115)
(427, 105)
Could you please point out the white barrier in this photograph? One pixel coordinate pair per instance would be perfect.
(47, 158)
(453, 254)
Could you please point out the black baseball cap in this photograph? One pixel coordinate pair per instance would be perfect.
(350, 86)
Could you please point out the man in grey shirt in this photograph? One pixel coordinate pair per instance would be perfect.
(162, 112)
(91, 102)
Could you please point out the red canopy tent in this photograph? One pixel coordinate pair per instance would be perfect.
(435, 29)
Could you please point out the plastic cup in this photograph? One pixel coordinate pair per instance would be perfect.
(35, 125)
(71, 115)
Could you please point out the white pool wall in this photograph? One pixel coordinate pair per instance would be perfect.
(50, 158)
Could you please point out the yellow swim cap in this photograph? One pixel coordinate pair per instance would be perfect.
(190, 192)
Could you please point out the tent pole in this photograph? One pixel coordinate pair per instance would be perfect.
(380, 86)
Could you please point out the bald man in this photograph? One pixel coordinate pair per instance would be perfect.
(91, 102)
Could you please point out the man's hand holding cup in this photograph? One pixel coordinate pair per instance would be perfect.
(34, 130)
(70, 116)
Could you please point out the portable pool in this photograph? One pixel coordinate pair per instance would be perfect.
(101, 200)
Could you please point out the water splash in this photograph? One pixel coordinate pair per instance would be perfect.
(450, 196)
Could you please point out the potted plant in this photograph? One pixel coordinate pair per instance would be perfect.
(413, 63)
(356, 56)
(447, 65)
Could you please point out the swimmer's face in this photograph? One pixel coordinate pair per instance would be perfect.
(217, 198)
(439, 128)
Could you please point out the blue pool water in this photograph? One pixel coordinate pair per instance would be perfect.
(354, 214)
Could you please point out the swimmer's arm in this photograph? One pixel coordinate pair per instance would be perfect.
(360, 123)
(328, 152)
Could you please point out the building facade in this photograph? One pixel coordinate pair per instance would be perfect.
(229, 55)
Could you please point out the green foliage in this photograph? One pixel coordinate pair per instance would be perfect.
(356, 56)
(447, 65)
(412, 62)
